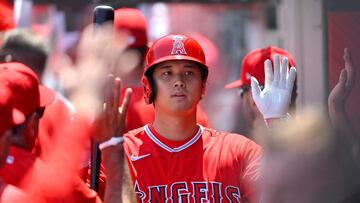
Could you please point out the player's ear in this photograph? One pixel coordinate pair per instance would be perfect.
(147, 89)
(203, 88)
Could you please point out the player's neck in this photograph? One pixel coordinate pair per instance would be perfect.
(174, 127)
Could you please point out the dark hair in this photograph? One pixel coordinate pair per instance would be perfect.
(21, 45)
(149, 75)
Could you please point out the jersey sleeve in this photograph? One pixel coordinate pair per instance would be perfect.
(250, 175)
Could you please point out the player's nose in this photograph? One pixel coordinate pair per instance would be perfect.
(179, 83)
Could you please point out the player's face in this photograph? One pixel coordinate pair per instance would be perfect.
(250, 110)
(179, 86)
(27, 132)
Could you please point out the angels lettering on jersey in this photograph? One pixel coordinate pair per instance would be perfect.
(185, 192)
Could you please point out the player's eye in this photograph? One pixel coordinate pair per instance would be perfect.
(189, 73)
(166, 73)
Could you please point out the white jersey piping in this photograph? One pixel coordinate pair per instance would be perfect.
(176, 149)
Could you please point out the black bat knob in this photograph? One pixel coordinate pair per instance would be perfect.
(103, 14)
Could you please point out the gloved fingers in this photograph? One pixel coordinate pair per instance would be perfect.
(291, 79)
(284, 71)
(255, 89)
(276, 68)
(269, 75)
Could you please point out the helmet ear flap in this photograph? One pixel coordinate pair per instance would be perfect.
(147, 89)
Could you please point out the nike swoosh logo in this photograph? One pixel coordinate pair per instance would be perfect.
(136, 158)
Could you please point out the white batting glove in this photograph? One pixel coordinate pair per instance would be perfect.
(274, 100)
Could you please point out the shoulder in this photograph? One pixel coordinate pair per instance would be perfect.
(135, 138)
(137, 133)
(231, 140)
(216, 134)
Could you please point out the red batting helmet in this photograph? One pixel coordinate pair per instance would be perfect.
(171, 47)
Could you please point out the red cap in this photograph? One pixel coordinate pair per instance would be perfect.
(134, 22)
(253, 65)
(9, 115)
(25, 87)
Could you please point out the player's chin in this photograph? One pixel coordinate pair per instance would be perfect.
(185, 108)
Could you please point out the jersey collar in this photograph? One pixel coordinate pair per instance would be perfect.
(161, 144)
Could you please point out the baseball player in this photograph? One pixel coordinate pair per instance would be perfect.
(134, 23)
(30, 98)
(23, 46)
(315, 161)
(175, 159)
(253, 66)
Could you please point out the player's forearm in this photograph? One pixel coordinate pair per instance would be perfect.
(113, 160)
(343, 126)
(340, 121)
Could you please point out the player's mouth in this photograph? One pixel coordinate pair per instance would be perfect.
(178, 95)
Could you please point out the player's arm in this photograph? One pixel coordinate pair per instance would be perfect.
(252, 155)
(112, 123)
(274, 100)
(337, 99)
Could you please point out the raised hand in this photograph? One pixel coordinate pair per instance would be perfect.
(336, 103)
(112, 124)
(340, 93)
(274, 100)
(112, 121)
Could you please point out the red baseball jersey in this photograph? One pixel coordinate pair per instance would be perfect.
(18, 163)
(139, 113)
(56, 116)
(211, 166)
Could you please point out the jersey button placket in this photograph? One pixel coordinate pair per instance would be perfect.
(176, 170)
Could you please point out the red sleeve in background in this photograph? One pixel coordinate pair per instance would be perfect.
(55, 177)
(57, 116)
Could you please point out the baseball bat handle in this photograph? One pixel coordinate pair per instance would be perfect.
(102, 14)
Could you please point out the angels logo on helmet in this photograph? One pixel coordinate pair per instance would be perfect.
(178, 46)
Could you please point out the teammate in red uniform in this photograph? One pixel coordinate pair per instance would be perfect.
(174, 158)
(253, 65)
(24, 46)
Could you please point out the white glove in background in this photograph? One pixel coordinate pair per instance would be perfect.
(274, 100)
